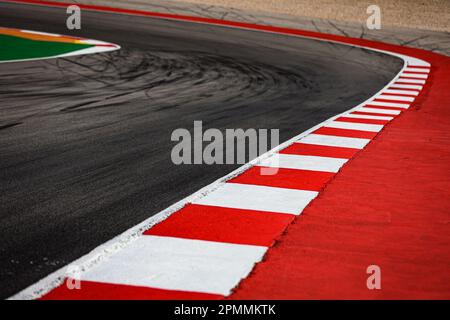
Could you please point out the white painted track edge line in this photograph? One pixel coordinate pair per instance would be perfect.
(105, 250)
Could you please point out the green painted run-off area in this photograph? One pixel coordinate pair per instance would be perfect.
(16, 48)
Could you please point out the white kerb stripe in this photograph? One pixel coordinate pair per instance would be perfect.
(415, 75)
(289, 161)
(254, 197)
(395, 98)
(179, 264)
(380, 111)
(406, 92)
(388, 104)
(334, 141)
(414, 62)
(411, 80)
(362, 116)
(406, 86)
(354, 126)
(419, 70)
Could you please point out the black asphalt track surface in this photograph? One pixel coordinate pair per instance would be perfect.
(85, 142)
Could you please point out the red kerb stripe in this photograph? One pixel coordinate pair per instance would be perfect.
(406, 89)
(372, 114)
(398, 94)
(415, 72)
(358, 120)
(345, 133)
(285, 178)
(219, 224)
(90, 290)
(384, 107)
(320, 151)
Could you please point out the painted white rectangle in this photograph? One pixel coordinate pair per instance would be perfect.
(388, 104)
(254, 197)
(419, 70)
(179, 264)
(411, 80)
(335, 141)
(414, 75)
(380, 111)
(313, 163)
(411, 62)
(354, 126)
(406, 86)
(362, 116)
(395, 98)
(405, 92)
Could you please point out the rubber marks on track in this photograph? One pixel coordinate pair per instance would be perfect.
(205, 249)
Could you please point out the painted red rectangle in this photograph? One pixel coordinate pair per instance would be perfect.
(405, 89)
(391, 101)
(398, 94)
(372, 114)
(358, 120)
(416, 78)
(399, 81)
(416, 72)
(90, 290)
(384, 107)
(219, 224)
(319, 151)
(422, 67)
(345, 133)
(285, 178)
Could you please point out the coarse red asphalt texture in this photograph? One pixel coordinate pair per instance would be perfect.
(389, 207)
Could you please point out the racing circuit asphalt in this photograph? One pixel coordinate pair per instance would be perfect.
(85, 141)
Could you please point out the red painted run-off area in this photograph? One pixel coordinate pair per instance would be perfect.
(389, 206)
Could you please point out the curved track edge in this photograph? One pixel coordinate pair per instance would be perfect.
(335, 141)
